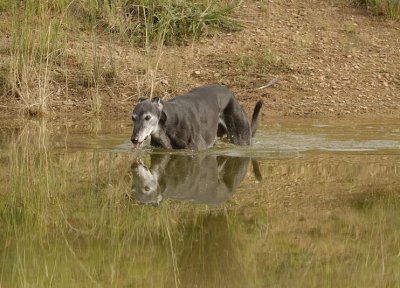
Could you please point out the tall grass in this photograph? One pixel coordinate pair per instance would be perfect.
(389, 8)
(95, 78)
(34, 50)
(41, 30)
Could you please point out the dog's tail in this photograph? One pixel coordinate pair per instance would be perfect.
(256, 111)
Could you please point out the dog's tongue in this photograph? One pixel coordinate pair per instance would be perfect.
(136, 146)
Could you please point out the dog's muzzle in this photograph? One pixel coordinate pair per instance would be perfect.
(136, 143)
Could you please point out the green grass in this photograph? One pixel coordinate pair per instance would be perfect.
(171, 21)
(260, 62)
(388, 8)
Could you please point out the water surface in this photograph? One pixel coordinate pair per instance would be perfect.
(310, 204)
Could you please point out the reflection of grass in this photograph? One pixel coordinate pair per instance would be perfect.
(66, 220)
(354, 247)
(339, 241)
(209, 254)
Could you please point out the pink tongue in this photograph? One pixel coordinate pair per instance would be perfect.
(136, 146)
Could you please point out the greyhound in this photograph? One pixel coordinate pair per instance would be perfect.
(198, 178)
(193, 120)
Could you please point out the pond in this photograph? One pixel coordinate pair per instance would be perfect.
(309, 204)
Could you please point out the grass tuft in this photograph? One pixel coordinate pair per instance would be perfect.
(388, 8)
(260, 62)
(171, 21)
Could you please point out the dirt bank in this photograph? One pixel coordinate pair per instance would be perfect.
(331, 59)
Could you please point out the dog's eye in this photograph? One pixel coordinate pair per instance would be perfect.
(147, 188)
(147, 118)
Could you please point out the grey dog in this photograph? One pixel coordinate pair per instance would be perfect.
(193, 120)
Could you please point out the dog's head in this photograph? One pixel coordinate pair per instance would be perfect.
(146, 189)
(145, 117)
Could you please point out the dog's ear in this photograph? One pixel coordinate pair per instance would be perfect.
(141, 99)
(157, 100)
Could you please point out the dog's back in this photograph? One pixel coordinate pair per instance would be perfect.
(192, 118)
(195, 119)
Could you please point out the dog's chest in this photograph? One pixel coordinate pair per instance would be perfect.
(159, 138)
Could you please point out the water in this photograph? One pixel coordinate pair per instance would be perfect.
(310, 204)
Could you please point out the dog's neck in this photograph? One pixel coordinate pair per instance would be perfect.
(159, 138)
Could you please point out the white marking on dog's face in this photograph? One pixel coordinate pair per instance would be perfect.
(148, 123)
(145, 119)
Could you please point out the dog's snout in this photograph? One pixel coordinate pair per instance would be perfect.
(135, 140)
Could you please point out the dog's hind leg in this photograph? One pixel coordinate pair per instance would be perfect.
(222, 130)
(237, 125)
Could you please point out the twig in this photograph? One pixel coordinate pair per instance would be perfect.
(269, 84)
(127, 98)
(138, 85)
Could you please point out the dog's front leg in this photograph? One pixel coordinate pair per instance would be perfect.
(161, 140)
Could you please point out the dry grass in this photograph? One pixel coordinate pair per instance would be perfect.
(34, 48)
(42, 31)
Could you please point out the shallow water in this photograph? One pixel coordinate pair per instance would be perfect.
(309, 204)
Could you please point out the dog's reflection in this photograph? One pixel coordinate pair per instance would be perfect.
(200, 179)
